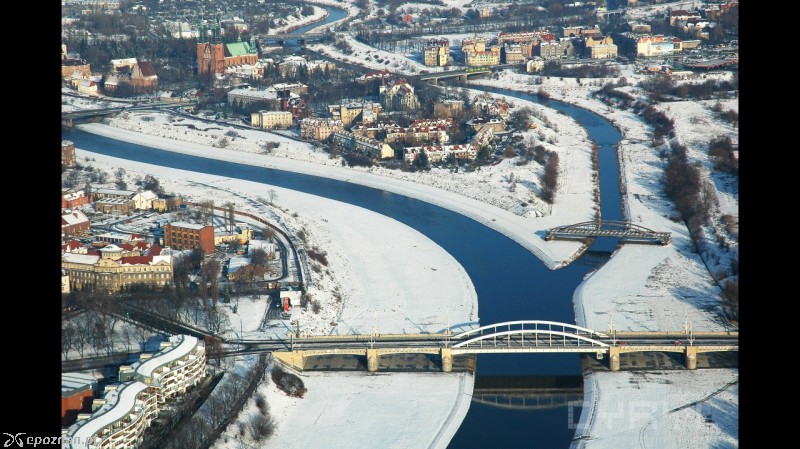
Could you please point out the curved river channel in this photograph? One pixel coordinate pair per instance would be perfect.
(511, 283)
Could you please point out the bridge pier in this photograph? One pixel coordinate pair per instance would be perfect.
(464, 78)
(372, 360)
(447, 360)
(613, 358)
(691, 357)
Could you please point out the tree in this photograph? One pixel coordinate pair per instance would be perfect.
(259, 257)
(211, 271)
(521, 118)
(195, 258)
(120, 179)
(67, 337)
(483, 156)
(124, 90)
(151, 183)
(421, 161)
(273, 195)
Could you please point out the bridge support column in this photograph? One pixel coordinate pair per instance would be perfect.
(372, 360)
(691, 357)
(447, 360)
(464, 78)
(613, 358)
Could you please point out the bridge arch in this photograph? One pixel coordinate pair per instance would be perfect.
(467, 344)
(532, 325)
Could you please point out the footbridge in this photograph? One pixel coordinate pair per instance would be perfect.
(282, 38)
(464, 74)
(609, 228)
(525, 336)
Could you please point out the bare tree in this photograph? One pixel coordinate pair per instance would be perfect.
(210, 273)
(259, 257)
(127, 337)
(230, 214)
(260, 427)
(67, 338)
(206, 209)
(273, 195)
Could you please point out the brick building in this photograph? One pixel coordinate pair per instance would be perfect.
(77, 392)
(144, 78)
(74, 199)
(74, 223)
(213, 57)
(183, 235)
(68, 153)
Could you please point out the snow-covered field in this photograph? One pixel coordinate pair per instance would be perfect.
(663, 409)
(364, 410)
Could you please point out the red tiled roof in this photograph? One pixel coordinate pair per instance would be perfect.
(126, 246)
(136, 260)
(146, 68)
(155, 250)
(71, 245)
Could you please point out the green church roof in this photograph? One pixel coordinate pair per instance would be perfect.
(239, 49)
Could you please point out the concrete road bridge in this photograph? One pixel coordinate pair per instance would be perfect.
(68, 118)
(526, 336)
(464, 74)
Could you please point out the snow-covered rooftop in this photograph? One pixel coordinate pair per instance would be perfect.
(85, 259)
(186, 225)
(181, 346)
(119, 404)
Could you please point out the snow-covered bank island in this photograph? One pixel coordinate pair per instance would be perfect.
(343, 409)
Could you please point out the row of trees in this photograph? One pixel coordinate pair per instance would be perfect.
(221, 408)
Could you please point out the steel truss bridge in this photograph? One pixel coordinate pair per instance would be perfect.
(608, 228)
(525, 336)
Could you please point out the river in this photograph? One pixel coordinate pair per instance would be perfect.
(511, 283)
